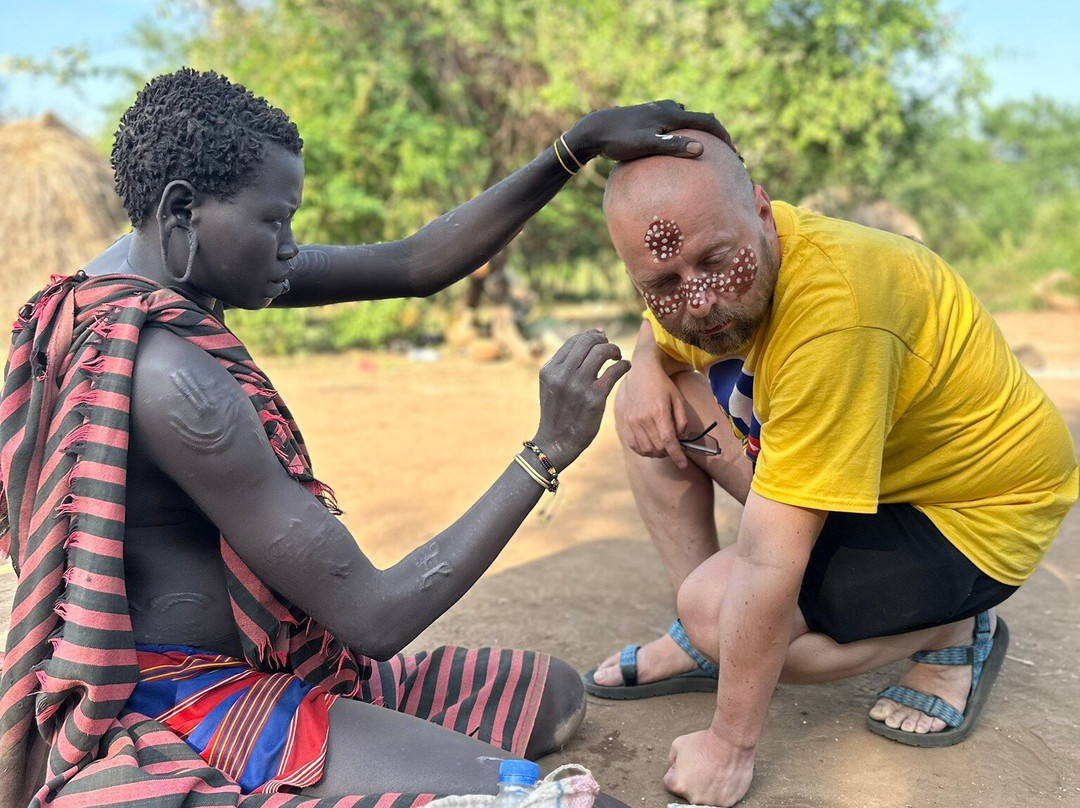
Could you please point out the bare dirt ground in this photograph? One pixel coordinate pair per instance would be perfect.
(408, 446)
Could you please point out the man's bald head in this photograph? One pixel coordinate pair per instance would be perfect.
(643, 184)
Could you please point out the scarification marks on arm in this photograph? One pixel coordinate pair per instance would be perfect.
(312, 262)
(431, 569)
(207, 419)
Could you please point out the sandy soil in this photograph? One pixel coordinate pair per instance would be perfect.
(408, 446)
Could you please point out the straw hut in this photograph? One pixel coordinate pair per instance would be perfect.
(59, 209)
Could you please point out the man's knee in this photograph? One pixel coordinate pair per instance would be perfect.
(699, 606)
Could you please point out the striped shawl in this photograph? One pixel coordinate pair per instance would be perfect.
(70, 663)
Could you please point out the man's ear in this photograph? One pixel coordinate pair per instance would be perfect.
(175, 206)
(763, 208)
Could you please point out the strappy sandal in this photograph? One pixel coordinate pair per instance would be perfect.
(984, 655)
(701, 680)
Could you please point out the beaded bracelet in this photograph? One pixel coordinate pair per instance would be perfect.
(547, 464)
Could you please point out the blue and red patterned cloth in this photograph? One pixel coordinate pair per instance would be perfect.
(262, 730)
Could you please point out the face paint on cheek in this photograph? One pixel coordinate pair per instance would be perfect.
(663, 305)
(663, 239)
(733, 282)
(737, 279)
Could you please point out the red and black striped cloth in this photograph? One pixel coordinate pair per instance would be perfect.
(70, 665)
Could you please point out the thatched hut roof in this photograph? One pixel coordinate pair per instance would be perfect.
(59, 206)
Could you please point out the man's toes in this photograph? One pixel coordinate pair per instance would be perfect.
(925, 724)
(882, 709)
(608, 675)
(911, 720)
(612, 661)
(900, 716)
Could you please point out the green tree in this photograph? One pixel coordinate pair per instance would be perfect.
(410, 107)
(978, 190)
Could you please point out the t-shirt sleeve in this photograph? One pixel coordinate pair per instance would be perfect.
(829, 413)
(676, 348)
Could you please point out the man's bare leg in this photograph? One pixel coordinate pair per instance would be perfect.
(814, 658)
(676, 506)
(372, 749)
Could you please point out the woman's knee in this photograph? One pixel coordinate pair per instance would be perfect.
(561, 710)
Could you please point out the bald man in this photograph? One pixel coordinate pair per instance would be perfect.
(900, 473)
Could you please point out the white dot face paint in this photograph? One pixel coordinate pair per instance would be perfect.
(731, 283)
(663, 239)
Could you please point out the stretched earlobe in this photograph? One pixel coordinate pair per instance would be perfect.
(193, 247)
(174, 212)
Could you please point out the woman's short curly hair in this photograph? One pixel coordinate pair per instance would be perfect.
(195, 126)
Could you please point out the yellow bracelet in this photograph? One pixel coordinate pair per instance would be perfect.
(555, 145)
(521, 461)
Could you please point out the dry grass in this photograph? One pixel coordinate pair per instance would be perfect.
(59, 209)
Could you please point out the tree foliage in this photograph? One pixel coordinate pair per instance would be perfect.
(408, 107)
(998, 201)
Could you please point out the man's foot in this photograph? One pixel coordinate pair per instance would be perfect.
(949, 683)
(660, 659)
(664, 667)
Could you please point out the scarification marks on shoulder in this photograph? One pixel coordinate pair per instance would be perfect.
(207, 419)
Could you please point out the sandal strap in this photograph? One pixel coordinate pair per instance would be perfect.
(931, 705)
(628, 664)
(678, 633)
(974, 655)
(957, 655)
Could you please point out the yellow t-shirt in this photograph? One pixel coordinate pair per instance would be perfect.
(878, 377)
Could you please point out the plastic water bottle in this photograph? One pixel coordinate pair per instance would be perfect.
(517, 780)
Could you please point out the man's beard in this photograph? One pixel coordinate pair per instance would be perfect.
(743, 324)
(727, 341)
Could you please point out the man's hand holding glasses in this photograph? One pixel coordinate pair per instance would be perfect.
(702, 443)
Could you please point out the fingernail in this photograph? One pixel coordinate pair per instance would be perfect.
(693, 148)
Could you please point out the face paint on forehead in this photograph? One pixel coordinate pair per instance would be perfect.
(663, 239)
(733, 283)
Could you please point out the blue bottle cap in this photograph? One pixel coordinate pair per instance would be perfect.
(524, 772)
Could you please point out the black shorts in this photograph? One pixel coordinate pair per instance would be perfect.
(890, 572)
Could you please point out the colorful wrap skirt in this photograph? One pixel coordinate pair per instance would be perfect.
(265, 730)
(261, 730)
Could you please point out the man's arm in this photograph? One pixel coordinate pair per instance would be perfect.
(194, 421)
(758, 611)
(649, 409)
(450, 247)
(756, 618)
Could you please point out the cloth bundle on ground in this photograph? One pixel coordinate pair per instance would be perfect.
(66, 737)
(569, 786)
